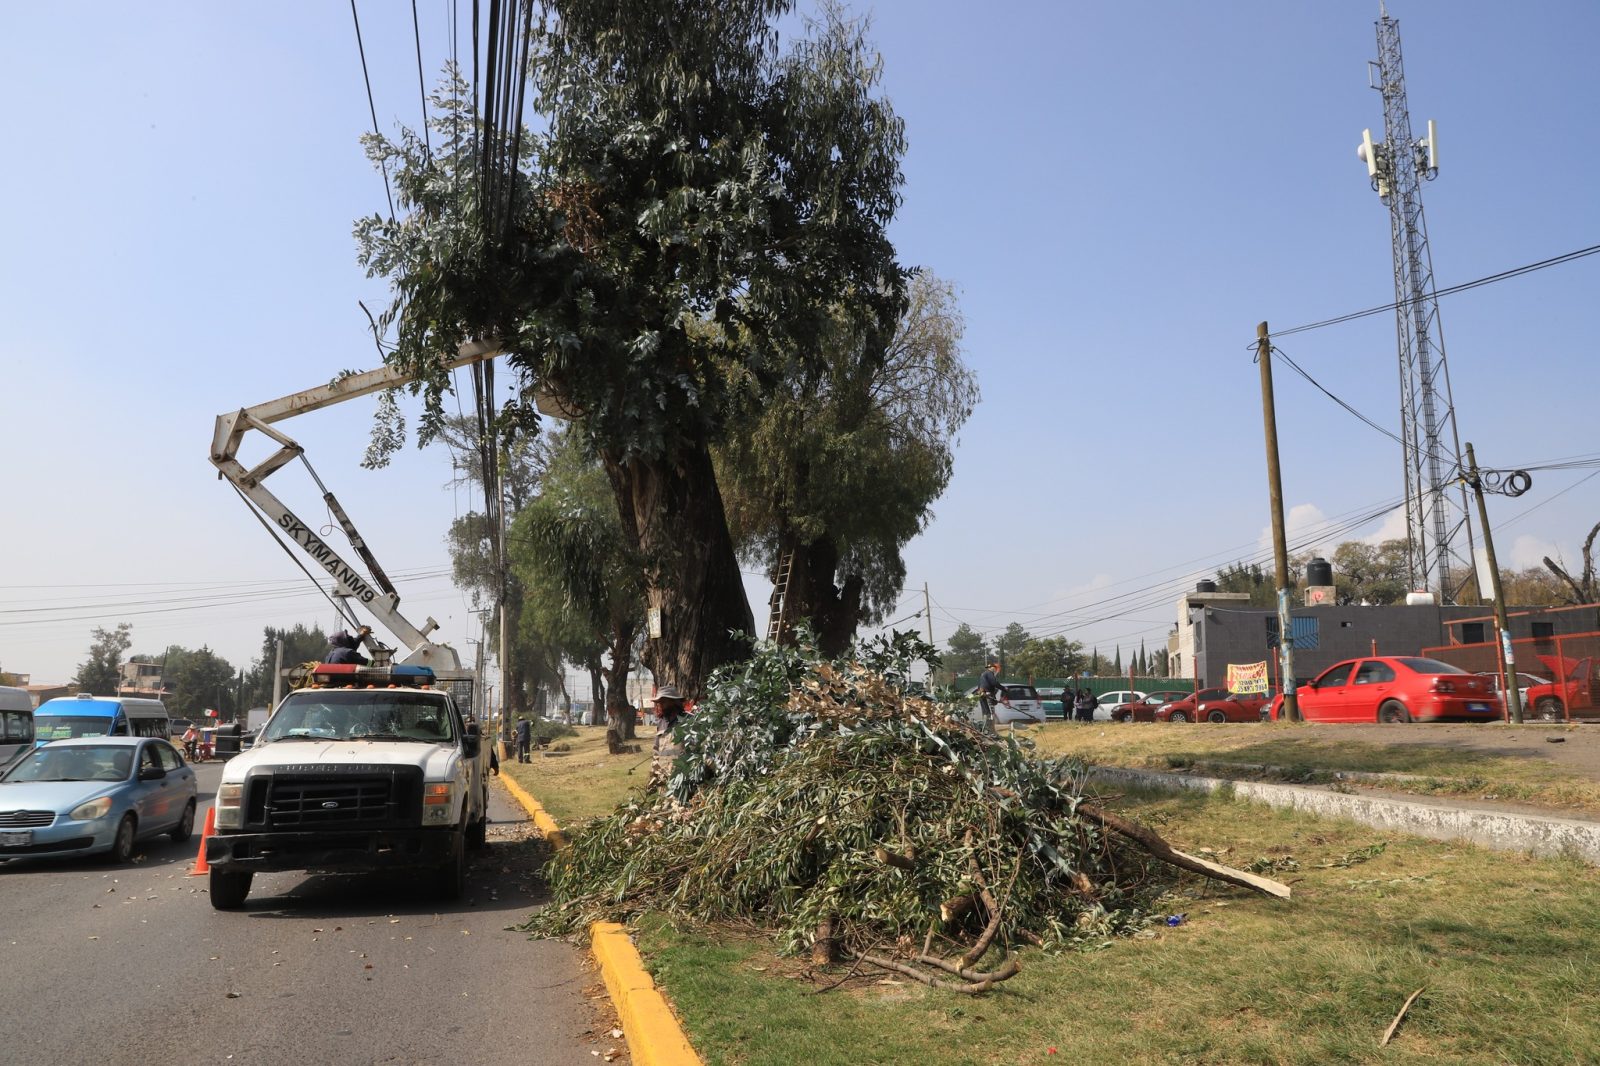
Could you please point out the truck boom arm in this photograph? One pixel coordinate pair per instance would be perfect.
(383, 601)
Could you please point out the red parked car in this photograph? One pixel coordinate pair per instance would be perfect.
(1145, 710)
(1555, 701)
(1213, 705)
(1395, 688)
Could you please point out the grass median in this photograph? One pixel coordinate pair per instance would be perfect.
(1497, 764)
(1503, 945)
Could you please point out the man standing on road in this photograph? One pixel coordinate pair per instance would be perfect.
(524, 738)
(989, 691)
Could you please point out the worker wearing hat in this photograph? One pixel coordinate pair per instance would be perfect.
(990, 689)
(669, 708)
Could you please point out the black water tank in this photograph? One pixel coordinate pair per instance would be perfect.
(1206, 586)
(1319, 572)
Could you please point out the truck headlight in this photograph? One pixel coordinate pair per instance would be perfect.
(88, 812)
(436, 803)
(229, 805)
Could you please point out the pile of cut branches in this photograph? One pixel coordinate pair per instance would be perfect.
(866, 823)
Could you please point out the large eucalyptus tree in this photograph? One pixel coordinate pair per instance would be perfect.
(684, 168)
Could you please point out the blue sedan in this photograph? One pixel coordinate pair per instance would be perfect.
(95, 794)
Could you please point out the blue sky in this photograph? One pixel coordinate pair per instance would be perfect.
(1121, 192)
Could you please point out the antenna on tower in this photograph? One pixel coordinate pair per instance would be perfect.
(1430, 444)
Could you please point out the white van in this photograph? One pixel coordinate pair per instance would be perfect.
(84, 715)
(16, 725)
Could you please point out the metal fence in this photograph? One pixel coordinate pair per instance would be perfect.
(1556, 674)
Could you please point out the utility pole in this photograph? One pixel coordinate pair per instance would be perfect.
(1508, 677)
(1280, 542)
(927, 610)
(277, 676)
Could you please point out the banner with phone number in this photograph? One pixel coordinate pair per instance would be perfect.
(1248, 678)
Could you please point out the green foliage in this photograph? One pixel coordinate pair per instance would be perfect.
(968, 652)
(1251, 579)
(544, 730)
(201, 679)
(1042, 657)
(794, 775)
(1010, 642)
(570, 555)
(301, 644)
(98, 675)
(853, 451)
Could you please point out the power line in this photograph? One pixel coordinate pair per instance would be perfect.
(1297, 368)
(1449, 291)
(371, 107)
(422, 91)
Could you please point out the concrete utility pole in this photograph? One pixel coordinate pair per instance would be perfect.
(1280, 543)
(927, 610)
(1508, 676)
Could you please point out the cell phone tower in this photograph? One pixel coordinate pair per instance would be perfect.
(1431, 446)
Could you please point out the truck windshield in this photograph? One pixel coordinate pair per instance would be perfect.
(357, 714)
(61, 727)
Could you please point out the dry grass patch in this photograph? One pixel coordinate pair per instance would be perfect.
(1503, 944)
(582, 782)
(1315, 753)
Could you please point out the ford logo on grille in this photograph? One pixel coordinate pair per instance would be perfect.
(327, 804)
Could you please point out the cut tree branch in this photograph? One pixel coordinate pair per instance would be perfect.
(1152, 843)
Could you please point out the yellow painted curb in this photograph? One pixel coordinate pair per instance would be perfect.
(654, 1036)
(541, 817)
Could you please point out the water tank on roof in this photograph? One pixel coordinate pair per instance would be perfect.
(1419, 599)
(1319, 572)
(1206, 586)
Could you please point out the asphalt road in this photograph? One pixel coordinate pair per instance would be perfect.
(131, 965)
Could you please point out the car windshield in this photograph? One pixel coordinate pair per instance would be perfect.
(357, 714)
(76, 762)
(1428, 666)
(65, 726)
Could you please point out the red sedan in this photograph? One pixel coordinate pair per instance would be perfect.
(1395, 688)
(1145, 710)
(1554, 700)
(1213, 705)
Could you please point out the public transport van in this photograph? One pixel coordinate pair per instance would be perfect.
(99, 716)
(16, 725)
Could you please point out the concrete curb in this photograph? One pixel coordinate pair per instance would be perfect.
(1505, 831)
(651, 1029)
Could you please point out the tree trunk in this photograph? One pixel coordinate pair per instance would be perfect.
(672, 516)
(514, 684)
(620, 716)
(833, 613)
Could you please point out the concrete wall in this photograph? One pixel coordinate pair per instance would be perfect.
(1224, 635)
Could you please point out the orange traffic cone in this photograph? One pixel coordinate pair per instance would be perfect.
(200, 864)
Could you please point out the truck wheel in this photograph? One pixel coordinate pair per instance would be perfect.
(450, 882)
(228, 889)
(1549, 710)
(478, 832)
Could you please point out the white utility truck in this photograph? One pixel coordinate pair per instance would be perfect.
(364, 768)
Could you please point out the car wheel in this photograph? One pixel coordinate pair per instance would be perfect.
(1394, 713)
(1550, 710)
(1216, 716)
(122, 844)
(185, 827)
(228, 888)
(1177, 716)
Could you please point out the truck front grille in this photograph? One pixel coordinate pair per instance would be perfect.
(303, 799)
